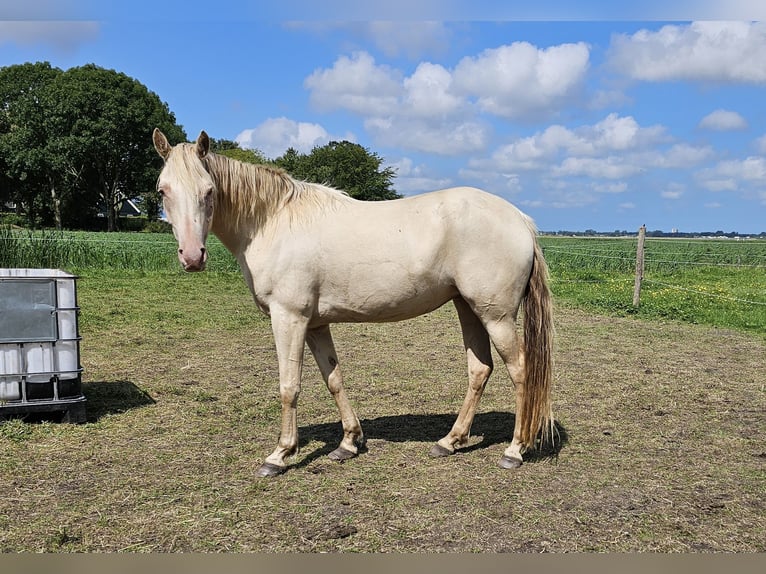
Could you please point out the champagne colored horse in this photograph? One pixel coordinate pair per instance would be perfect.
(313, 256)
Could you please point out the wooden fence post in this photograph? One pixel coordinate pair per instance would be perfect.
(639, 265)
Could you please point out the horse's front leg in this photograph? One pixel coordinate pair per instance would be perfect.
(290, 337)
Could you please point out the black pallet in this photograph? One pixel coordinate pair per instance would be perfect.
(70, 410)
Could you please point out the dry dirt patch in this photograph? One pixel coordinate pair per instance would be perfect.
(665, 451)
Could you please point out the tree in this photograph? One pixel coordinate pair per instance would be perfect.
(231, 149)
(344, 165)
(76, 142)
(218, 146)
(29, 171)
(290, 160)
(108, 118)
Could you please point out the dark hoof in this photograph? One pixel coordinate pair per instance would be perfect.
(267, 470)
(509, 463)
(340, 454)
(438, 451)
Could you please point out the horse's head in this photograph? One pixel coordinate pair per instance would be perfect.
(188, 196)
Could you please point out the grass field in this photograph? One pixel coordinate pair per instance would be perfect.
(664, 419)
(713, 282)
(664, 423)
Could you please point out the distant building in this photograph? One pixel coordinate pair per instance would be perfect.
(128, 209)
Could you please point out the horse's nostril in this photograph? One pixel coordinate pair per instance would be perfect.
(180, 251)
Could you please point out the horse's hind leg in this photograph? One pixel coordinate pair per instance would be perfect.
(508, 345)
(320, 342)
(479, 355)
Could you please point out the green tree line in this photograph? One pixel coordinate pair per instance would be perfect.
(76, 144)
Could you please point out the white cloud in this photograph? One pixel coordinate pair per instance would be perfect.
(616, 133)
(751, 168)
(613, 134)
(612, 167)
(419, 112)
(723, 120)
(446, 138)
(438, 110)
(411, 178)
(733, 175)
(701, 51)
(510, 81)
(427, 92)
(519, 80)
(275, 135)
(720, 184)
(601, 99)
(356, 84)
(678, 156)
(760, 144)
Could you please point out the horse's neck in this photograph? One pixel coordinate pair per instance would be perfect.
(242, 211)
(232, 240)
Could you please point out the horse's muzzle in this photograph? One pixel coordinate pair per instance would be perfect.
(193, 259)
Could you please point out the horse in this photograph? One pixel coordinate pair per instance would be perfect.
(312, 256)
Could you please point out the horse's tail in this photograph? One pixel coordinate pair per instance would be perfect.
(536, 410)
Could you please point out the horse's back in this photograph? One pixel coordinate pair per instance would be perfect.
(423, 250)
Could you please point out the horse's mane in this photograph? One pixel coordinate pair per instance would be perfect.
(252, 193)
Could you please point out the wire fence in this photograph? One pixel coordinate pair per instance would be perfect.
(721, 282)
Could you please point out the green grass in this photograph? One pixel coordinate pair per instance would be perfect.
(665, 449)
(712, 282)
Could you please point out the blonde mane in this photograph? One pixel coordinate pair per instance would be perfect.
(251, 193)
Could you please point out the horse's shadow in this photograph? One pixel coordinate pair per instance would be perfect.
(113, 397)
(494, 428)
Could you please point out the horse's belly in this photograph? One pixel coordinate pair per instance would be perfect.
(381, 302)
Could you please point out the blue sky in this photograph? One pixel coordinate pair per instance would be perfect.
(607, 118)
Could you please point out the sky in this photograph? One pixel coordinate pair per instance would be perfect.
(597, 117)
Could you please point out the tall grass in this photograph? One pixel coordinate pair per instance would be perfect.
(102, 251)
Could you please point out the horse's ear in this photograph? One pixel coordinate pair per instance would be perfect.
(161, 143)
(203, 144)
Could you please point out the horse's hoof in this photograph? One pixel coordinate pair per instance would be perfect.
(509, 463)
(438, 451)
(340, 454)
(267, 470)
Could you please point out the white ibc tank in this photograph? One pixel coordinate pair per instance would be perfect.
(39, 337)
